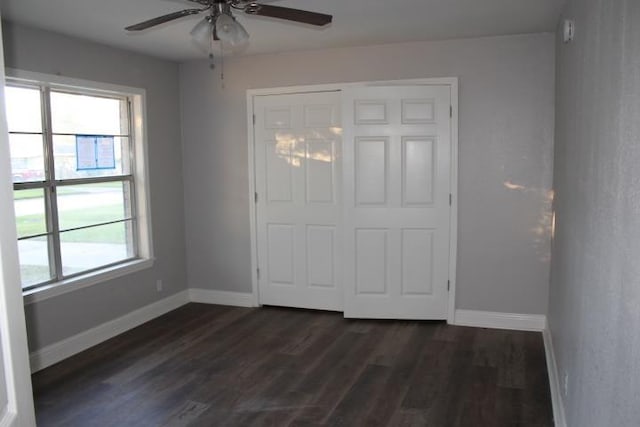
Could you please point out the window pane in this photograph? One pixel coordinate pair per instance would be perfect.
(94, 247)
(34, 261)
(23, 109)
(89, 115)
(90, 204)
(30, 212)
(27, 157)
(66, 160)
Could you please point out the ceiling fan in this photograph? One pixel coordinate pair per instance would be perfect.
(220, 24)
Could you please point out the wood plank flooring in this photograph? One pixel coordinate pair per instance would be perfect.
(206, 365)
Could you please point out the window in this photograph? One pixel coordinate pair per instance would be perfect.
(77, 163)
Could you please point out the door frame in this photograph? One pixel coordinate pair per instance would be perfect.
(451, 82)
(14, 355)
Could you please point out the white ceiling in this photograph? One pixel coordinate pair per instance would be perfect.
(355, 22)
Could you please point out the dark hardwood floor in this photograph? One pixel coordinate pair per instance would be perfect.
(204, 365)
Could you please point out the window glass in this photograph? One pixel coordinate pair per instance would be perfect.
(34, 261)
(94, 247)
(92, 204)
(87, 115)
(27, 157)
(30, 212)
(24, 112)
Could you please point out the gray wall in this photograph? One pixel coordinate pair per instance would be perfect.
(34, 50)
(506, 139)
(594, 305)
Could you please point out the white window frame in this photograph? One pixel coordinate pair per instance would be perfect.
(138, 132)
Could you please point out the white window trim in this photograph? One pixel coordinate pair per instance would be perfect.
(141, 179)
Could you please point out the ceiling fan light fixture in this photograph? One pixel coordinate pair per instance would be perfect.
(202, 33)
(243, 35)
(229, 30)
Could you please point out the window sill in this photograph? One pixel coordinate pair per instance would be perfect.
(81, 282)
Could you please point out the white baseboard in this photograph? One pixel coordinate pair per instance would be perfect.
(490, 319)
(61, 350)
(206, 296)
(554, 380)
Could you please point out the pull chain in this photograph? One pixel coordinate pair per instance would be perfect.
(212, 64)
(222, 65)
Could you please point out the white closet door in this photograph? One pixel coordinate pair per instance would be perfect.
(397, 158)
(299, 212)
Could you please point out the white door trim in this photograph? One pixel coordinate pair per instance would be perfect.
(452, 82)
(14, 357)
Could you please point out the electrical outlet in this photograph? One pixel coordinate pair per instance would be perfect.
(565, 385)
(159, 285)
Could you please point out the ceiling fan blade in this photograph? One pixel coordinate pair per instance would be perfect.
(162, 19)
(297, 15)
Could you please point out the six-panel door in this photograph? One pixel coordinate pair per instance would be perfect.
(397, 158)
(299, 217)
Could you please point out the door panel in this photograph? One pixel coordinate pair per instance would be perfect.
(299, 212)
(417, 170)
(397, 158)
(321, 256)
(320, 171)
(417, 261)
(371, 279)
(280, 254)
(371, 157)
(279, 174)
